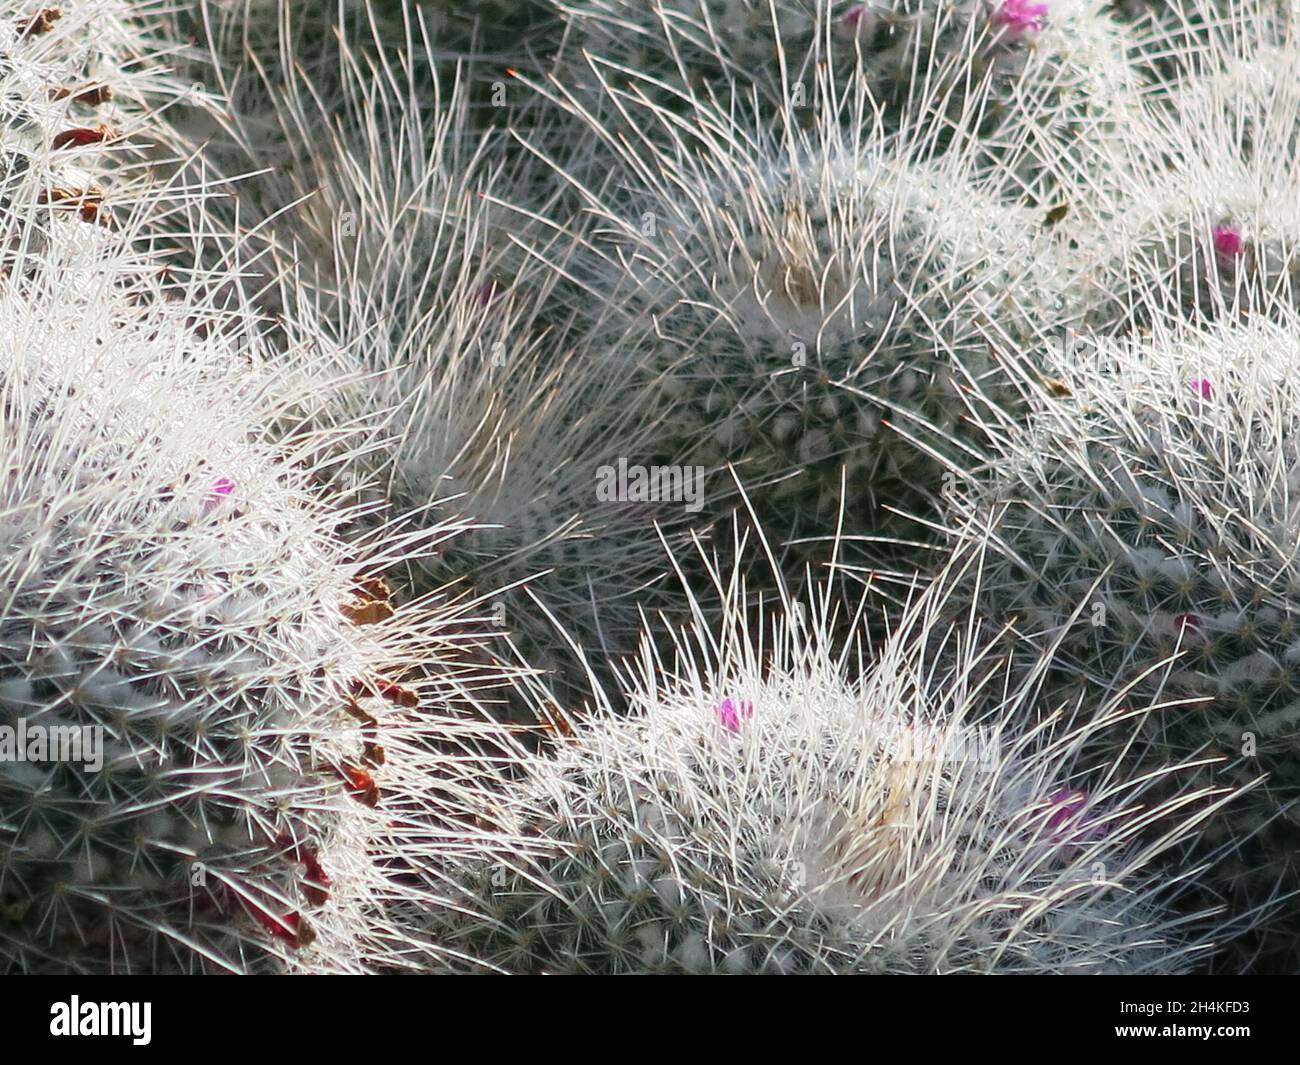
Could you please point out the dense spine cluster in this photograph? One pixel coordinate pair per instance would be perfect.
(369, 390)
(177, 599)
(211, 755)
(1032, 80)
(490, 414)
(1206, 223)
(81, 88)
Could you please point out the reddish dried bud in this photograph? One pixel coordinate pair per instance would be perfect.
(375, 588)
(291, 927)
(386, 689)
(368, 612)
(318, 882)
(93, 96)
(71, 195)
(41, 22)
(361, 785)
(82, 136)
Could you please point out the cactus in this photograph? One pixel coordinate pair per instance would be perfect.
(1033, 79)
(1231, 257)
(1205, 224)
(1147, 525)
(178, 600)
(760, 813)
(319, 113)
(807, 305)
(493, 418)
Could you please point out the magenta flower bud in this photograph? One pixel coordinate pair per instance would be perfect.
(731, 713)
(221, 489)
(1021, 16)
(1187, 621)
(857, 18)
(1201, 386)
(1063, 822)
(1228, 243)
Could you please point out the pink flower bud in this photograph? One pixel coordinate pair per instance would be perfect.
(1063, 822)
(1021, 16)
(731, 713)
(858, 19)
(1228, 243)
(222, 487)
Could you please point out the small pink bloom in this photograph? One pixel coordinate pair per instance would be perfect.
(1201, 386)
(222, 487)
(1187, 621)
(1063, 822)
(1228, 243)
(731, 713)
(857, 18)
(1021, 16)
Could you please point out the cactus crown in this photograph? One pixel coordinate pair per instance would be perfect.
(757, 812)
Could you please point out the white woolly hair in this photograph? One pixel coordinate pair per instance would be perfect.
(775, 804)
(791, 232)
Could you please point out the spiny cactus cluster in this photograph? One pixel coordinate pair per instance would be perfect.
(76, 84)
(310, 476)
(210, 757)
(1146, 525)
(254, 47)
(493, 418)
(791, 821)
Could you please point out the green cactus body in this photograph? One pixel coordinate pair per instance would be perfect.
(179, 599)
(1147, 526)
(801, 824)
(836, 317)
